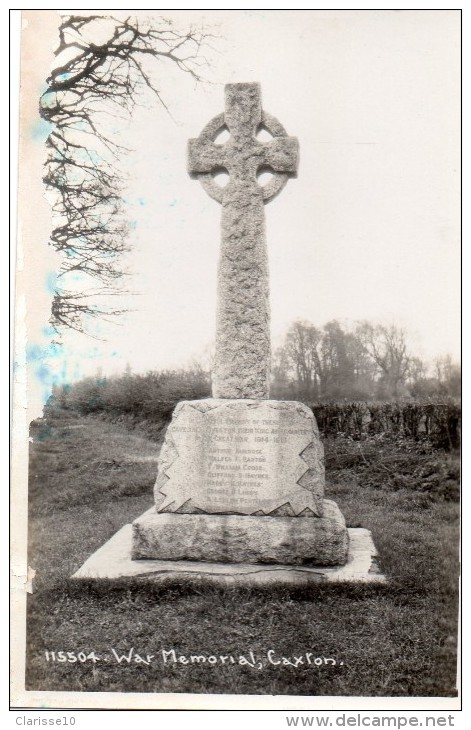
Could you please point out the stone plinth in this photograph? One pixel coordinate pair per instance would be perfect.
(244, 457)
(242, 538)
(113, 561)
(242, 481)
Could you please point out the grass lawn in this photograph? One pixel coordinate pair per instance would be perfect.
(89, 477)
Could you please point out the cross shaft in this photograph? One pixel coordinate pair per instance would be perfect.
(242, 358)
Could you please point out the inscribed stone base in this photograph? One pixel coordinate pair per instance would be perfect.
(113, 561)
(247, 457)
(242, 538)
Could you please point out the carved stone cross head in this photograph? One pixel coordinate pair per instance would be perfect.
(243, 156)
(242, 358)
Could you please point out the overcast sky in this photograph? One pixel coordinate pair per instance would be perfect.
(368, 230)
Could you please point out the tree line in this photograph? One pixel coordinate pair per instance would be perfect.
(326, 365)
(361, 383)
(365, 362)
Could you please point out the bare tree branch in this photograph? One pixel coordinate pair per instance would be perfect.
(99, 75)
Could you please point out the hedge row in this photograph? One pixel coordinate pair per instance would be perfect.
(151, 398)
(439, 423)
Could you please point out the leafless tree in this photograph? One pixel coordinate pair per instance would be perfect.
(102, 66)
(448, 375)
(361, 362)
(301, 352)
(327, 362)
(387, 348)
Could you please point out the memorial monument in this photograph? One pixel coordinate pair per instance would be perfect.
(240, 485)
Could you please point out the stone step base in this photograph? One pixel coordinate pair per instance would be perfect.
(113, 561)
(242, 538)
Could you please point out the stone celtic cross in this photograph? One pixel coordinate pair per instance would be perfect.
(242, 358)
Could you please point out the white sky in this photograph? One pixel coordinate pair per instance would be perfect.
(369, 229)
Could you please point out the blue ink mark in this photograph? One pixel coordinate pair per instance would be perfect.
(51, 282)
(173, 203)
(41, 359)
(35, 353)
(41, 130)
(43, 374)
(64, 76)
(94, 157)
(141, 201)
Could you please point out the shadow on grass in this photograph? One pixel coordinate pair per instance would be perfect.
(172, 588)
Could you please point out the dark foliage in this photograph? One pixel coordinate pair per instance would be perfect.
(144, 401)
(438, 423)
(150, 399)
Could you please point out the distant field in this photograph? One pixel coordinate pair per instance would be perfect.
(89, 477)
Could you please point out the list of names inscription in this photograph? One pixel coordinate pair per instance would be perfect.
(247, 461)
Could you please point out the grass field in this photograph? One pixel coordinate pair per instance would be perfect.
(88, 478)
